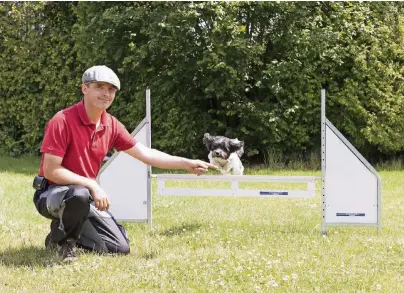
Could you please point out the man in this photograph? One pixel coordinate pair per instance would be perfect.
(75, 143)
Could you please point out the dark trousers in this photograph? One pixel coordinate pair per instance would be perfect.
(74, 217)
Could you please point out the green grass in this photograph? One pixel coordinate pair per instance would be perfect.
(208, 244)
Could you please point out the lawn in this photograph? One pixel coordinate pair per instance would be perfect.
(208, 244)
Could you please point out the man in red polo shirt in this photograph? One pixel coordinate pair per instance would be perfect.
(75, 143)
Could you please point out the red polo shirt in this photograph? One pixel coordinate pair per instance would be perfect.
(72, 136)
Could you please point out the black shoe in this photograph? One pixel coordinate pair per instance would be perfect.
(51, 241)
(68, 251)
(49, 244)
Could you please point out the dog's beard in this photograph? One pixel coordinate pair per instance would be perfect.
(232, 164)
(221, 161)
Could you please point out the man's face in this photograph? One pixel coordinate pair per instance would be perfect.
(99, 94)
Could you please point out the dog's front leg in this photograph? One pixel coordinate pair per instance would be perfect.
(226, 170)
(239, 170)
(237, 166)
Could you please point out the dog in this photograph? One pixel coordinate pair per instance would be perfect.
(225, 153)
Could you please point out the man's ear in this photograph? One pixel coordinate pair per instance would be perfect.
(84, 88)
(207, 140)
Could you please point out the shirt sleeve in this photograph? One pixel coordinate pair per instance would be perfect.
(55, 140)
(124, 140)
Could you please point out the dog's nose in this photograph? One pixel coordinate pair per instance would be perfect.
(216, 153)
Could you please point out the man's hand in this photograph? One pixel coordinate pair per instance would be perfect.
(197, 167)
(100, 198)
(163, 160)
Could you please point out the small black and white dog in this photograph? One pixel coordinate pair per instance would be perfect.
(225, 153)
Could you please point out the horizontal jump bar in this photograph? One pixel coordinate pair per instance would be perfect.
(238, 192)
(238, 178)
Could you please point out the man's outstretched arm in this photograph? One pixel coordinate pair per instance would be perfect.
(163, 160)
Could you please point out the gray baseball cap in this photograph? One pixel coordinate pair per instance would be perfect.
(101, 73)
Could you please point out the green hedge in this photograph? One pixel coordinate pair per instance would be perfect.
(251, 70)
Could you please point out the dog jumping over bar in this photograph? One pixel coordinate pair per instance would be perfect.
(225, 153)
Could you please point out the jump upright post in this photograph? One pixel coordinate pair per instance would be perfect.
(351, 187)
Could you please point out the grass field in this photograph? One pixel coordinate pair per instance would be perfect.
(208, 244)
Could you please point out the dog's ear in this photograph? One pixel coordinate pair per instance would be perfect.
(207, 140)
(237, 146)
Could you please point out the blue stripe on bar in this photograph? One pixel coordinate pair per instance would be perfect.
(274, 193)
(350, 214)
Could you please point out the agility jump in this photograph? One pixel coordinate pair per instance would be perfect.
(351, 187)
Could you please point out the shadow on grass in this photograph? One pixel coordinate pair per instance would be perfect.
(179, 230)
(29, 257)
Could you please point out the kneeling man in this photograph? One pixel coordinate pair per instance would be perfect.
(75, 143)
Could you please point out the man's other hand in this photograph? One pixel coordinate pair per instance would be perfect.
(100, 198)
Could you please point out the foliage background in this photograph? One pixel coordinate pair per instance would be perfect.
(251, 70)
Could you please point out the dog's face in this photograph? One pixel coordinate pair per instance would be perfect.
(222, 147)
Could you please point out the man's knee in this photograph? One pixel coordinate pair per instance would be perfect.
(125, 249)
(78, 198)
(121, 248)
(81, 193)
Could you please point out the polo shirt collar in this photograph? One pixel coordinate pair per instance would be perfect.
(84, 118)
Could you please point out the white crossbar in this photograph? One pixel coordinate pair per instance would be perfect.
(235, 191)
(240, 178)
